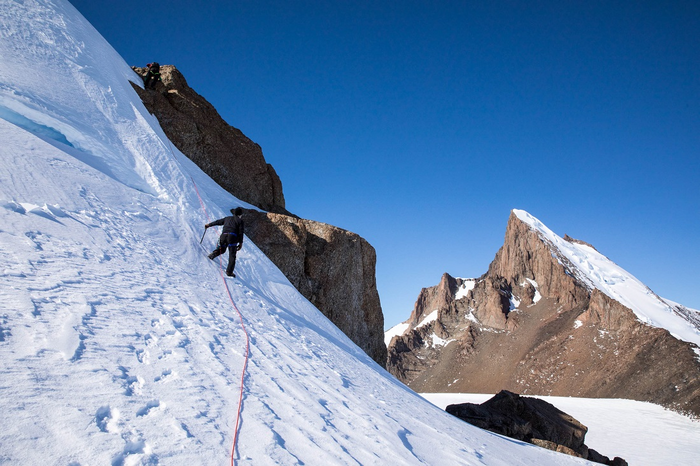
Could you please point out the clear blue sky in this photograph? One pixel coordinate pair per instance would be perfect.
(421, 124)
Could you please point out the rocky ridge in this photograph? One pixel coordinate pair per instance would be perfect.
(534, 324)
(333, 268)
(223, 152)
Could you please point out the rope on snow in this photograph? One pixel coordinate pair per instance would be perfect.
(247, 338)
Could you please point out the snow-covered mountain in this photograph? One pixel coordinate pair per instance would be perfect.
(119, 340)
(597, 271)
(552, 316)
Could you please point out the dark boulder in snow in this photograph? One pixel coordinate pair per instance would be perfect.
(531, 420)
(523, 418)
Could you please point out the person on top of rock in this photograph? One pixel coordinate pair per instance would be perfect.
(152, 76)
(231, 238)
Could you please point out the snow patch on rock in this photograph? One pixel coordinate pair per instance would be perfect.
(394, 331)
(537, 296)
(430, 318)
(436, 341)
(465, 288)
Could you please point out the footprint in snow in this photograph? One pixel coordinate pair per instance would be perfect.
(135, 451)
(165, 376)
(132, 385)
(143, 356)
(107, 419)
(150, 406)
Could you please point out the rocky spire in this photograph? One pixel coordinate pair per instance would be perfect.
(223, 152)
(527, 257)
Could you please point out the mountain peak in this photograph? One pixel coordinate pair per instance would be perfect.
(592, 270)
(551, 316)
(529, 253)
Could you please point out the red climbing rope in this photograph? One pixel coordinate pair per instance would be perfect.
(247, 338)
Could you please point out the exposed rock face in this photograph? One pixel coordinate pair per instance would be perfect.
(331, 267)
(220, 150)
(533, 325)
(531, 420)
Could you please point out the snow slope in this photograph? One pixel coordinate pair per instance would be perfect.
(600, 272)
(118, 342)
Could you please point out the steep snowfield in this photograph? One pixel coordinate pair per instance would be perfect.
(118, 342)
(600, 272)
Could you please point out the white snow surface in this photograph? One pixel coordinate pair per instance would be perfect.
(538, 296)
(644, 434)
(465, 288)
(396, 330)
(432, 317)
(118, 342)
(437, 341)
(600, 272)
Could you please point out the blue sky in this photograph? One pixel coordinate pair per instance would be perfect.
(420, 125)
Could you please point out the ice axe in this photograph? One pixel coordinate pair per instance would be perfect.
(205, 232)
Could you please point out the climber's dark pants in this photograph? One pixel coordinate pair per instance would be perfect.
(150, 81)
(230, 241)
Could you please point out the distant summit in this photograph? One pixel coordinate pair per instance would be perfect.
(552, 316)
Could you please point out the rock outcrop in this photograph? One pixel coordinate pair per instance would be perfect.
(533, 324)
(531, 420)
(223, 152)
(333, 268)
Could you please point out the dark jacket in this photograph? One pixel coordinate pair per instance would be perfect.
(154, 69)
(232, 225)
